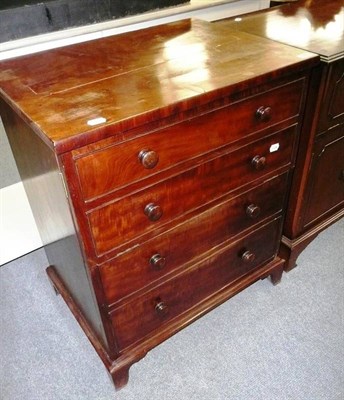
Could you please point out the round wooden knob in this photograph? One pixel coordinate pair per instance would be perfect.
(248, 256)
(153, 211)
(148, 158)
(161, 308)
(258, 162)
(157, 261)
(263, 113)
(252, 211)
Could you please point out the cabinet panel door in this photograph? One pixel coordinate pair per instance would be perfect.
(332, 109)
(326, 178)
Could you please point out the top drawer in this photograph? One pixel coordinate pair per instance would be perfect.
(116, 166)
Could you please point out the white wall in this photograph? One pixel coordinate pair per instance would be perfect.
(18, 232)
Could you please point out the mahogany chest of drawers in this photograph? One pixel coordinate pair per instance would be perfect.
(157, 164)
(317, 194)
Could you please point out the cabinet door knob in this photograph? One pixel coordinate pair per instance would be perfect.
(252, 211)
(247, 256)
(157, 261)
(263, 113)
(153, 211)
(148, 158)
(161, 308)
(258, 162)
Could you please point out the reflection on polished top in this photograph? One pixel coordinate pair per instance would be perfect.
(85, 92)
(313, 25)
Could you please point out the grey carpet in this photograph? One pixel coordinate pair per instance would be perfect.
(278, 343)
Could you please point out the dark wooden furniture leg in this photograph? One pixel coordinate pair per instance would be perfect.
(276, 275)
(119, 368)
(291, 249)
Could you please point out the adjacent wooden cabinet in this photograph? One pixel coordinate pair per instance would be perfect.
(317, 194)
(158, 165)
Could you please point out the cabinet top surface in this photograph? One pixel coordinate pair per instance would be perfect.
(78, 94)
(312, 25)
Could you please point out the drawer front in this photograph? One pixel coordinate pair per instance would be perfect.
(163, 254)
(119, 165)
(121, 221)
(153, 310)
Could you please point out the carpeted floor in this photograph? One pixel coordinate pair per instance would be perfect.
(267, 343)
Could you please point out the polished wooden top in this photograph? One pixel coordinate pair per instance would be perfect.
(78, 94)
(313, 25)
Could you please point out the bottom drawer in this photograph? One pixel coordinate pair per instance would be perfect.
(141, 316)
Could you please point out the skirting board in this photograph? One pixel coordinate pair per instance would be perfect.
(18, 231)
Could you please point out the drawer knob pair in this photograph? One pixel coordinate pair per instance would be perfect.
(153, 211)
(157, 261)
(258, 162)
(263, 113)
(148, 158)
(161, 308)
(247, 256)
(252, 211)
